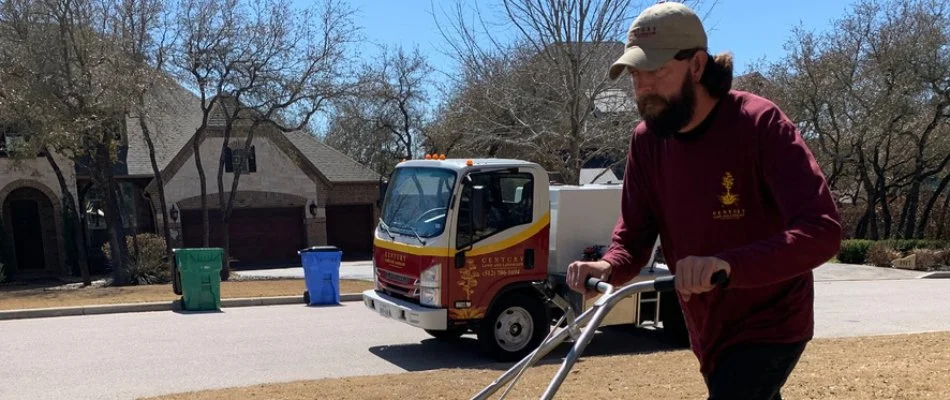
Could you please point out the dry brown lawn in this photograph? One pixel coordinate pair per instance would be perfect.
(23, 297)
(885, 367)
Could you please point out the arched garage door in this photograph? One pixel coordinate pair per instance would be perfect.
(260, 237)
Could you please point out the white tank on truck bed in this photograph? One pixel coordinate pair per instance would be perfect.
(581, 217)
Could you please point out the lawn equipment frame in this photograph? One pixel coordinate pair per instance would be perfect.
(595, 315)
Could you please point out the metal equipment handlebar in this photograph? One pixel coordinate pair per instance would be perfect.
(594, 315)
(661, 284)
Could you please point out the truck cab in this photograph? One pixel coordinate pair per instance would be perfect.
(463, 245)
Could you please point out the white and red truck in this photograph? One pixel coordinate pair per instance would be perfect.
(483, 245)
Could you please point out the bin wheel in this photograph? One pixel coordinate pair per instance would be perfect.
(674, 325)
(306, 297)
(514, 327)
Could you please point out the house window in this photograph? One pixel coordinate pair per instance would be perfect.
(12, 143)
(239, 160)
(95, 206)
(12, 140)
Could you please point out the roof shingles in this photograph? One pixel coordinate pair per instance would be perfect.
(336, 166)
(174, 114)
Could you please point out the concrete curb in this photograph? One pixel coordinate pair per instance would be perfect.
(937, 275)
(156, 306)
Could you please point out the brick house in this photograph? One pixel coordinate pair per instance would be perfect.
(294, 192)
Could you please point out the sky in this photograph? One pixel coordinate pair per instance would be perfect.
(747, 28)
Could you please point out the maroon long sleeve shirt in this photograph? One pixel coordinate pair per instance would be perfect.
(743, 187)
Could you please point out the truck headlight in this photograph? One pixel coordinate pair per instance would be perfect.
(430, 286)
(432, 276)
(430, 297)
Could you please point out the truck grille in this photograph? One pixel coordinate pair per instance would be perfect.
(398, 284)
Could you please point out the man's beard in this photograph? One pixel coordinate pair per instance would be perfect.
(668, 116)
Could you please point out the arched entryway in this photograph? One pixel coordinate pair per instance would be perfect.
(30, 224)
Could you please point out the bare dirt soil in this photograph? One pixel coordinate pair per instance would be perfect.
(885, 367)
(15, 297)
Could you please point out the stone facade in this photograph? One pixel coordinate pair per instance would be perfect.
(39, 179)
(50, 215)
(275, 174)
(278, 182)
(283, 179)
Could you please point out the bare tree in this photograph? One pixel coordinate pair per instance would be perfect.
(258, 66)
(62, 58)
(874, 95)
(203, 59)
(384, 118)
(545, 93)
(145, 34)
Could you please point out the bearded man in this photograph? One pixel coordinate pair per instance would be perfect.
(726, 181)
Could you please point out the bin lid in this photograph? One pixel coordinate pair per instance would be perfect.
(318, 249)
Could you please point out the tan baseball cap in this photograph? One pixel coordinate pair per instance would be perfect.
(658, 33)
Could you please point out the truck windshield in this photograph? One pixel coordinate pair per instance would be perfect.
(417, 201)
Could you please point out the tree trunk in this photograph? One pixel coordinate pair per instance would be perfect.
(928, 208)
(861, 228)
(222, 203)
(70, 204)
(196, 147)
(943, 222)
(226, 210)
(119, 253)
(872, 197)
(886, 210)
(160, 183)
(909, 215)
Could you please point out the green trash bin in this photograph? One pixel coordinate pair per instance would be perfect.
(200, 273)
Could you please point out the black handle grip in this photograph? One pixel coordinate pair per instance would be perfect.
(596, 284)
(668, 283)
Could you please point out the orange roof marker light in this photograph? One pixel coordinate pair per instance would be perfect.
(469, 163)
(442, 156)
(428, 156)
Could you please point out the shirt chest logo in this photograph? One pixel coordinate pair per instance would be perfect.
(729, 208)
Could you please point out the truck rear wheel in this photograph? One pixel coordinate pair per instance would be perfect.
(514, 327)
(674, 325)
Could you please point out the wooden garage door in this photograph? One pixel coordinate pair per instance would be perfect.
(260, 237)
(350, 227)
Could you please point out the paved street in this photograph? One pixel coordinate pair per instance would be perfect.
(123, 356)
(828, 272)
(361, 270)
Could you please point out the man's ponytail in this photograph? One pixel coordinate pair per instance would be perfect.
(717, 78)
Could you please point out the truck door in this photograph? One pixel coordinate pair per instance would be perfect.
(500, 237)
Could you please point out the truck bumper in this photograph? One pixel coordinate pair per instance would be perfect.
(405, 312)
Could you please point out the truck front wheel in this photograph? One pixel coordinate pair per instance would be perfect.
(514, 327)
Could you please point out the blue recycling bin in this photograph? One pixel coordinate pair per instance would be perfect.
(321, 270)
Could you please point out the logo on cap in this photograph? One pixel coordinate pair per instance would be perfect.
(643, 32)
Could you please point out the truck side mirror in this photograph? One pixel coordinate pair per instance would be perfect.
(383, 184)
(479, 211)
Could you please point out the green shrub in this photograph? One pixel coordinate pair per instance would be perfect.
(151, 266)
(882, 252)
(854, 251)
(906, 245)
